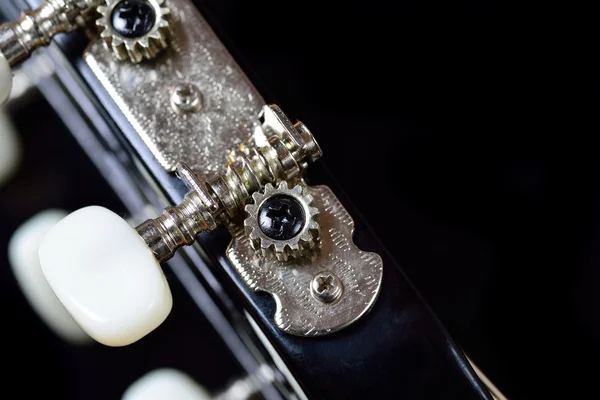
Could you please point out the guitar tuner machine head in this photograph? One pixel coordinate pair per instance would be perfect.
(289, 239)
(108, 274)
(165, 91)
(133, 30)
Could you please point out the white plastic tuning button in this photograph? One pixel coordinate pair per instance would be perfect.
(165, 383)
(106, 276)
(24, 260)
(10, 152)
(5, 79)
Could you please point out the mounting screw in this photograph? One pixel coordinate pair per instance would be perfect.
(326, 287)
(281, 217)
(186, 98)
(133, 18)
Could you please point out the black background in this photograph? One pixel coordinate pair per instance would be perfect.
(465, 140)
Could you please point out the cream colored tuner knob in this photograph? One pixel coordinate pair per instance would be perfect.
(5, 79)
(24, 260)
(164, 384)
(10, 150)
(106, 276)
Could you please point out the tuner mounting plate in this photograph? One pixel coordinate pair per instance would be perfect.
(298, 310)
(191, 104)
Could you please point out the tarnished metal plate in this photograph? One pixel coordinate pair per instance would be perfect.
(298, 312)
(230, 108)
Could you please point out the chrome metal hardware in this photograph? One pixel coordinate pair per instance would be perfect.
(224, 196)
(142, 31)
(131, 29)
(242, 161)
(146, 94)
(320, 287)
(282, 223)
(36, 28)
(207, 92)
(351, 277)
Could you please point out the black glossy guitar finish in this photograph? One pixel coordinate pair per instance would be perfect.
(398, 350)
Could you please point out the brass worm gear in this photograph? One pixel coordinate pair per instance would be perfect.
(303, 243)
(137, 48)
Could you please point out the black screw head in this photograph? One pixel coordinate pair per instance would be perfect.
(133, 18)
(281, 217)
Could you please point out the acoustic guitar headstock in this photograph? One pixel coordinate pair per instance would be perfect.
(222, 176)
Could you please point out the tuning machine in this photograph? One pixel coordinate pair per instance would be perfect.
(108, 276)
(133, 30)
(289, 239)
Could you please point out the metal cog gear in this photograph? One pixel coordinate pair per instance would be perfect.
(281, 223)
(144, 42)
